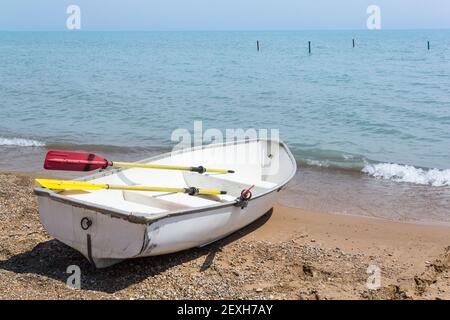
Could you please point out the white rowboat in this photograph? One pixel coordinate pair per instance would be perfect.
(108, 226)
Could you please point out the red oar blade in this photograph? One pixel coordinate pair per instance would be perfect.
(73, 161)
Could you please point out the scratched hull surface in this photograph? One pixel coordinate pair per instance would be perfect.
(107, 226)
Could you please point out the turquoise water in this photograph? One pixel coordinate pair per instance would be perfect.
(382, 107)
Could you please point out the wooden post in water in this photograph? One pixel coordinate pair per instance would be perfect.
(353, 42)
(257, 45)
(309, 47)
(428, 45)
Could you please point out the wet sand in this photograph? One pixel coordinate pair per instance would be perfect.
(289, 253)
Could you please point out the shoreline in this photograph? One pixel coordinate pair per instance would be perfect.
(321, 189)
(289, 254)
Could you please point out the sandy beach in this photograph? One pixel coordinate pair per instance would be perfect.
(290, 253)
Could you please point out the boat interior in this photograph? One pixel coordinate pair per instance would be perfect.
(264, 164)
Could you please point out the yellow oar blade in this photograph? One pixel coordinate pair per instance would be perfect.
(70, 185)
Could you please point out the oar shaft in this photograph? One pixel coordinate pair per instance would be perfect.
(167, 167)
(148, 166)
(162, 189)
(143, 188)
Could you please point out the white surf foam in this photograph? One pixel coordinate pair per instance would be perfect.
(405, 173)
(20, 142)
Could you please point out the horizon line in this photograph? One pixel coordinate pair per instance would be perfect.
(223, 30)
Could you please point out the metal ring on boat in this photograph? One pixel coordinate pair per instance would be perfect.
(85, 223)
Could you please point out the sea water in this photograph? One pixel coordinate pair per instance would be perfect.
(372, 117)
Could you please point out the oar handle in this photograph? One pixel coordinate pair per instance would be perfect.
(199, 169)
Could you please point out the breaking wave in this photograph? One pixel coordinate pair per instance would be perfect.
(337, 160)
(406, 173)
(20, 142)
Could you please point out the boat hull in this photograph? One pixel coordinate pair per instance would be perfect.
(102, 247)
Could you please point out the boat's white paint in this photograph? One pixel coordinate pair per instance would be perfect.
(129, 224)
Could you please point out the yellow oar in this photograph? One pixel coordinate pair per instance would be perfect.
(82, 185)
(85, 161)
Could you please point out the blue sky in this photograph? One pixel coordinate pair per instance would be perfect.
(222, 14)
